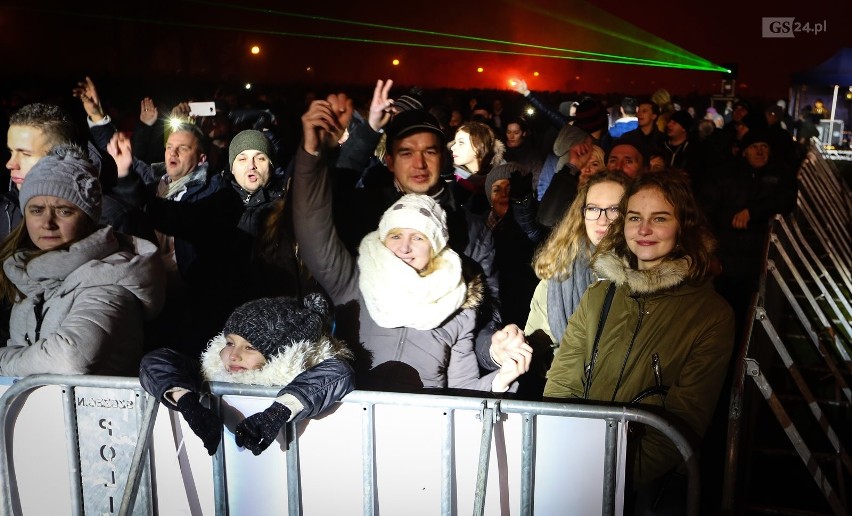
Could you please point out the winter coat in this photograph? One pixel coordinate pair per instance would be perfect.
(315, 375)
(82, 309)
(401, 358)
(654, 312)
(358, 211)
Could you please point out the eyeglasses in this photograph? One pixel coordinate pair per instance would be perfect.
(594, 212)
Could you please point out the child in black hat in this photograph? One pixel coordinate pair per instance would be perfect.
(270, 341)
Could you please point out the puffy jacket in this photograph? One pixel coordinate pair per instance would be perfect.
(83, 308)
(315, 375)
(402, 359)
(656, 311)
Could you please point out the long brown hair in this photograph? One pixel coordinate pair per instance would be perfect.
(694, 240)
(17, 240)
(482, 140)
(555, 258)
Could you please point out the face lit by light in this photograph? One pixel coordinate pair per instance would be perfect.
(650, 227)
(251, 170)
(410, 246)
(415, 162)
(463, 153)
(182, 154)
(604, 195)
(514, 136)
(239, 355)
(53, 221)
(625, 158)
(26, 146)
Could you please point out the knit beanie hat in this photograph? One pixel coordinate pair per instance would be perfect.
(411, 100)
(418, 212)
(499, 172)
(751, 137)
(65, 173)
(249, 139)
(272, 324)
(683, 118)
(569, 136)
(590, 116)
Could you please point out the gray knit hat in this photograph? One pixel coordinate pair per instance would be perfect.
(249, 139)
(272, 324)
(568, 137)
(499, 172)
(68, 174)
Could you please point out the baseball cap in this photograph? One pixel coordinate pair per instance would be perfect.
(411, 122)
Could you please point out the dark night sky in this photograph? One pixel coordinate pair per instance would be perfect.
(198, 39)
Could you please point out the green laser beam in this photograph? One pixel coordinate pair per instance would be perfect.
(703, 64)
(630, 39)
(348, 39)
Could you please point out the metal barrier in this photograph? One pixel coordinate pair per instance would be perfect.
(534, 463)
(825, 316)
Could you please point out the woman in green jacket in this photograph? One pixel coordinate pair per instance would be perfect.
(667, 337)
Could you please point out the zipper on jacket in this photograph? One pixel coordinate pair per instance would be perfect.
(401, 344)
(641, 303)
(39, 316)
(658, 376)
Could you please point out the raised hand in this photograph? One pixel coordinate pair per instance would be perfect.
(88, 95)
(181, 111)
(380, 107)
(520, 86)
(147, 111)
(120, 149)
(325, 121)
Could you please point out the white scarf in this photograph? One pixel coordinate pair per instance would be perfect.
(396, 295)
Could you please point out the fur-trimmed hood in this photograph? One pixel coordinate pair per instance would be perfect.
(668, 274)
(475, 292)
(280, 369)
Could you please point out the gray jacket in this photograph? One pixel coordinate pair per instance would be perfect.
(403, 359)
(83, 308)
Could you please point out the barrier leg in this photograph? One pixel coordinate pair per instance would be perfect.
(139, 456)
(488, 417)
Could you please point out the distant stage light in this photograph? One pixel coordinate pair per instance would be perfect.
(480, 69)
(530, 111)
(248, 86)
(255, 50)
(513, 82)
(535, 74)
(308, 69)
(395, 62)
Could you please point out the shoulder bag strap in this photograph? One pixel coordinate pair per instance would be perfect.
(604, 312)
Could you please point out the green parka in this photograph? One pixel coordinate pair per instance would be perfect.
(654, 311)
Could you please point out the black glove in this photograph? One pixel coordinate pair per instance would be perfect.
(257, 432)
(201, 420)
(520, 185)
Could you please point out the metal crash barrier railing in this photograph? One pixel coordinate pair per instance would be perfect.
(805, 282)
(381, 452)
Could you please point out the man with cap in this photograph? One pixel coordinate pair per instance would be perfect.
(272, 342)
(414, 155)
(647, 132)
(740, 199)
(676, 149)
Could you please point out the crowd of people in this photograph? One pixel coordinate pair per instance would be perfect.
(406, 246)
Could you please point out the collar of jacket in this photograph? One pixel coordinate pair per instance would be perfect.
(272, 191)
(668, 274)
(280, 369)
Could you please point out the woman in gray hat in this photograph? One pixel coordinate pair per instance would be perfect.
(80, 292)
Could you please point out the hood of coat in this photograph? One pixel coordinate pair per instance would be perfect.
(475, 292)
(668, 274)
(280, 369)
(104, 258)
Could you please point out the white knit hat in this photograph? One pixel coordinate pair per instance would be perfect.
(421, 213)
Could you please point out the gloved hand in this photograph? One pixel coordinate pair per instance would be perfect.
(257, 432)
(201, 420)
(520, 185)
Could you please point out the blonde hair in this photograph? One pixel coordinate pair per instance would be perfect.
(569, 240)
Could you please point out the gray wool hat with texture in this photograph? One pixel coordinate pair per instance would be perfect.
(65, 173)
(250, 139)
(272, 324)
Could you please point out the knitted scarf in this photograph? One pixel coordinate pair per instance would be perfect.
(396, 295)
